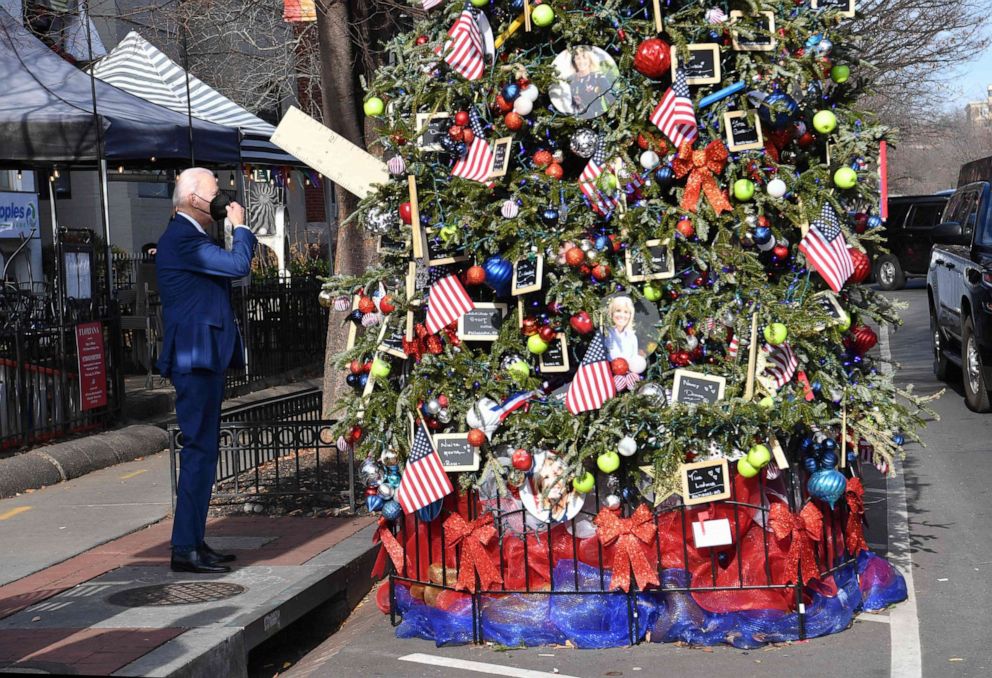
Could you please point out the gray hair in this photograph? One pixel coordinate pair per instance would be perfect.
(188, 183)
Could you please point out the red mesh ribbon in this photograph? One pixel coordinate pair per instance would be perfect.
(415, 348)
(854, 533)
(451, 332)
(701, 165)
(804, 528)
(389, 546)
(629, 535)
(474, 537)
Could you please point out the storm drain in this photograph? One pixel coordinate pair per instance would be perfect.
(182, 593)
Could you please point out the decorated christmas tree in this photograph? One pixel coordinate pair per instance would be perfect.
(620, 272)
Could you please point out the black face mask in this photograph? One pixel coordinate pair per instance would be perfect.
(218, 206)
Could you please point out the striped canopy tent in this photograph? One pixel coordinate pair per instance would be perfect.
(138, 67)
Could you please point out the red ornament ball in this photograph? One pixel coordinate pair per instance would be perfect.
(619, 366)
(653, 58)
(386, 304)
(528, 327)
(555, 171)
(356, 433)
(860, 222)
(475, 275)
(476, 437)
(574, 256)
(601, 272)
(547, 333)
(442, 400)
(543, 158)
(863, 339)
(686, 228)
(780, 251)
(461, 118)
(406, 213)
(862, 266)
(366, 305)
(468, 136)
(421, 39)
(806, 139)
(522, 460)
(503, 105)
(513, 121)
(356, 367)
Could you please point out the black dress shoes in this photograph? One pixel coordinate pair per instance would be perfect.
(215, 556)
(196, 562)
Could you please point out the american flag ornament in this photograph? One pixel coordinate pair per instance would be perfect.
(430, 4)
(781, 364)
(464, 50)
(734, 347)
(674, 114)
(447, 300)
(477, 165)
(600, 202)
(593, 383)
(826, 250)
(424, 479)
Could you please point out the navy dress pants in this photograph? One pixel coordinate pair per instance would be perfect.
(198, 401)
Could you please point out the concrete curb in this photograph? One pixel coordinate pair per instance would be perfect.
(63, 461)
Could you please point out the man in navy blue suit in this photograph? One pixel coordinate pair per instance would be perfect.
(201, 340)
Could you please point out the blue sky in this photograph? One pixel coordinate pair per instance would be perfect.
(972, 79)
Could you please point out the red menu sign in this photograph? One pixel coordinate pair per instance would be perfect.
(92, 366)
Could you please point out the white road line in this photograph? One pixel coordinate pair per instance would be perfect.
(478, 667)
(905, 655)
(868, 616)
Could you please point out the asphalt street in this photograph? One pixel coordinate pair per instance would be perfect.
(932, 520)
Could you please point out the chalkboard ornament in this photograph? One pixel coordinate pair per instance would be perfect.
(702, 65)
(761, 26)
(846, 7)
(456, 451)
(743, 130)
(705, 481)
(693, 388)
(528, 275)
(482, 323)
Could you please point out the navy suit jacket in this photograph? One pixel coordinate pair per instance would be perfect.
(194, 282)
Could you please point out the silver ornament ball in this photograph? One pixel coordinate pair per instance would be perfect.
(612, 501)
(444, 415)
(386, 491)
(379, 220)
(627, 446)
(583, 143)
(432, 407)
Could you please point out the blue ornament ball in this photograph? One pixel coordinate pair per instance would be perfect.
(510, 91)
(375, 502)
(461, 149)
(517, 4)
(549, 216)
(355, 316)
(603, 243)
(664, 176)
(393, 479)
(778, 110)
(431, 511)
(874, 221)
(810, 464)
(816, 386)
(351, 380)
(828, 460)
(829, 444)
(898, 439)
(762, 234)
(363, 380)
(392, 510)
(499, 274)
(828, 485)
(852, 456)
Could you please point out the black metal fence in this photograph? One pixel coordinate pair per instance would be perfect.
(429, 541)
(278, 447)
(40, 396)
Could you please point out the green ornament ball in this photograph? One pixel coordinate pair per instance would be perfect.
(746, 469)
(536, 345)
(759, 456)
(825, 122)
(840, 73)
(845, 177)
(585, 484)
(608, 462)
(380, 368)
(776, 333)
(542, 16)
(480, 3)
(519, 370)
(374, 107)
(743, 189)
(607, 180)
(652, 293)
(845, 321)
(766, 403)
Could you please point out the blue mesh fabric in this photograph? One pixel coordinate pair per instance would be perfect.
(601, 620)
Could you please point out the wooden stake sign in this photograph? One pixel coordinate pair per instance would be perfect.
(752, 358)
(527, 16)
(418, 234)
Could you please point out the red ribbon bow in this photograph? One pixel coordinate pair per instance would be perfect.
(629, 534)
(855, 536)
(474, 537)
(389, 545)
(804, 528)
(701, 165)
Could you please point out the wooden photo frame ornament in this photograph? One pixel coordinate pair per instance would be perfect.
(702, 66)
(427, 130)
(705, 481)
(848, 7)
(528, 275)
(742, 136)
(468, 329)
(455, 453)
(740, 43)
(387, 341)
(694, 388)
(502, 154)
(444, 257)
(652, 246)
(555, 359)
(829, 302)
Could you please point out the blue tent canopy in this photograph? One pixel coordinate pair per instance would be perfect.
(46, 114)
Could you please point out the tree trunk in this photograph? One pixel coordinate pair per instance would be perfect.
(353, 252)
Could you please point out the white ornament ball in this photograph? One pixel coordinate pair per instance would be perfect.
(396, 165)
(343, 445)
(432, 407)
(258, 508)
(522, 106)
(691, 342)
(530, 92)
(248, 507)
(444, 415)
(637, 364)
(510, 209)
(650, 160)
(776, 188)
(627, 446)
(612, 501)
(765, 247)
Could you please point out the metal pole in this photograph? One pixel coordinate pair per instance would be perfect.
(189, 102)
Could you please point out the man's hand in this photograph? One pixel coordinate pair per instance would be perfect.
(236, 213)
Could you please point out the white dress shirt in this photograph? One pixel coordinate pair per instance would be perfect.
(621, 344)
(197, 223)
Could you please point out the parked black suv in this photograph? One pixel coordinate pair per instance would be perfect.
(908, 230)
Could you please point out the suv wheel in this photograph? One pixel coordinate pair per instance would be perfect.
(889, 273)
(975, 392)
(942, 367)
